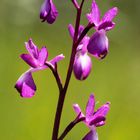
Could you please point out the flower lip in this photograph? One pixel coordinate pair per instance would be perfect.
(98, 44)
(97, 120)
(25, 85)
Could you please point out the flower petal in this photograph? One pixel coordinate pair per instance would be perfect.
(27, 91)
(103, 110)
(108, 25)
(78, 111)
(43, 55)
(57, 59)
(77, 108)
(32, 48)
(92, 135)
(84, 44)
(94, 15)
(25, 85)
(90, 106)
(53, 13)
(110, 14)
(45, 8)
(29, 60)
(100, 124)
(71, 30)
(97, 120)
(81, 28)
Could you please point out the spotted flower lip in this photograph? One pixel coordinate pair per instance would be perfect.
(48, 12)
(36, 59)
(92, 117)
(106, 22)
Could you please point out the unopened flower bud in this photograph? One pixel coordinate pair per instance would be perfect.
(48, 11)
(82, 66)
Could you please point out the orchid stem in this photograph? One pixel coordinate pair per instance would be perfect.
(70, 127)
(56, 75)
(63, 91)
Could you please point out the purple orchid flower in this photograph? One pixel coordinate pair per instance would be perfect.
(25, 85)
(36, 59)
(48, 12)
(98, 43)
(93, 118)
(82, 64)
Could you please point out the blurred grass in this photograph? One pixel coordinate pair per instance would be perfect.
(116, 79)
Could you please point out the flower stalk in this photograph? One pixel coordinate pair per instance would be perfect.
(70, 68)
(71, 126)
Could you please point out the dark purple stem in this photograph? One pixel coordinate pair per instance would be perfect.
(70, 127)
(75, 3)
(56, 75)
(84, 32)
(70, 68)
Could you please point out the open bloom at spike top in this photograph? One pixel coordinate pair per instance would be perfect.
(82, 64)
(93, 118)
(36, 59)
(106, 22)
(48, 12)
(98, 44)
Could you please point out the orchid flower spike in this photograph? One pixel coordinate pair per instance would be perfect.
(36, 59)
(93, 118)
(48, 12)
(98, 43)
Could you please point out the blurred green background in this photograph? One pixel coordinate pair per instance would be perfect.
(115, 79)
